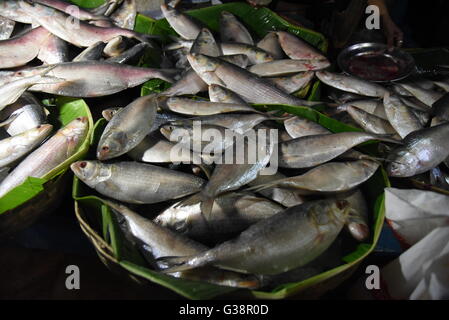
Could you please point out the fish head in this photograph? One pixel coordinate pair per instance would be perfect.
(86, 171)
(108, 114)
(112, 145)
(202, 63)
(262, 56)
(402, 164)
(359, 231)
(218, 92)
(168, 130)
(44, 129)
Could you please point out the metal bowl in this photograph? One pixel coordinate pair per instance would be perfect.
(403, 60)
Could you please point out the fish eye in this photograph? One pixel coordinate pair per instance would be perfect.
(83, 164)
(105, 148)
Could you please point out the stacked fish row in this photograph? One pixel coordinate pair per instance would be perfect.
(274, 228)
(414, 111)
(53, 47)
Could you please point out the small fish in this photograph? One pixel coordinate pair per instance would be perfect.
(203, 108)
(283, 242)
(14, 148)
(310, 151)
(49, 155)
(286, 67)
(300, 127)
(270, 44)
(183, 24)
(352, 84)
(371, 123)
(232, 30)
(422, 151)
(374, 107)
(255, 55)
(127, 128)
(296, 48)
(134, 182)
(329, 178)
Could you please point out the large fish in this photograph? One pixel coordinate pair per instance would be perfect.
(104, 78)
(277, 244)
(247, 85)
(296, 48)
(401, 117)
(287, 66)
(183, 24)
(134, 182)
(422, 151)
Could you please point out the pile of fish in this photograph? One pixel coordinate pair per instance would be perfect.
(227, 222)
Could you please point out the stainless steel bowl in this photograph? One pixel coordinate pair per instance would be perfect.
(403, 60)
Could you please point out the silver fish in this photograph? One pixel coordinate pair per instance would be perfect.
(370, 123)
(428, 97)
(161, 242)
(277, 244)
(293, 83)
(351, 84)
(232, 30)
(422, 151)
(329, 178)
(48, 156)
(300, 127)
(127, 128)
(231, 214)
(203, 108)
(134, 182)
(105, 78)
(183, 24)
(14, 148)
(286, 67)
(270, 44)
(26, 113)
(247, 85)
(402, 119)
(255, 55)
(21, 49)
(296, 48)
(310, 151)
(86, 34)
(374, 107)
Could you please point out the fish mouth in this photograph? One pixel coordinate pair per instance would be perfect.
(77, 167)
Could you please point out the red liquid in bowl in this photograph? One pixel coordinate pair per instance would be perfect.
(374, 67)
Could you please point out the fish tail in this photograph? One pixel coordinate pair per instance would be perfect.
(206, 206)
(261, 187)
(196, 198)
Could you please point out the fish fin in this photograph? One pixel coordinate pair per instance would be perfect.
(196, 198)
(261, 187)
(206, 206)
(175, 264)
(387, 138)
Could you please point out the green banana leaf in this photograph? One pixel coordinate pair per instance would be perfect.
(66, 110)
